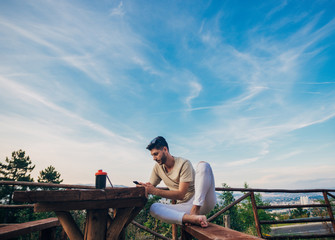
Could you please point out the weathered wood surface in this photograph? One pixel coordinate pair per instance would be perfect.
(96, 222)
(254, 210)
(273, 190)
(118, 223)
(69, 226)
(78, 195)
(291, 206)
(80, 205)
(15, 230)
(127, 201)
(10, 206)
(214, 232)
(37, 184)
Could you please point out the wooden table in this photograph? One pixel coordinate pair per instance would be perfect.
(126, 204)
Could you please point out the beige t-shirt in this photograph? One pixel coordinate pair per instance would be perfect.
(182, 171)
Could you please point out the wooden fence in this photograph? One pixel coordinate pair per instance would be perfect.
(248, 192)
(251, 193)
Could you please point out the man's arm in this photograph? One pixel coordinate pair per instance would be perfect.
(169, 194)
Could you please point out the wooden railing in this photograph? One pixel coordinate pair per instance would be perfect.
(251, 193)
(248, 192)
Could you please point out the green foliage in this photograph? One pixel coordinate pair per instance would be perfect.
(17, 168)
(49, 175)
(241, 215)
(228, 198)
(145, 219)
(299, 213)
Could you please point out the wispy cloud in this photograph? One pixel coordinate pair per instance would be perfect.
(37, 100)
(242, 162)
(106, 76)
(195, 89)
(118, 11)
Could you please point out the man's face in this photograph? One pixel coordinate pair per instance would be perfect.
(159, 155)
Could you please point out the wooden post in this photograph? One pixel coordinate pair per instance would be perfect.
(174, 227)
(226, 221)
(329, 209)
(69, 226)
(185, 235)
(48, 234)
(117, 225)
(254, 209)
(96, 224)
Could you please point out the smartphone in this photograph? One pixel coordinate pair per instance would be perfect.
(136, 182)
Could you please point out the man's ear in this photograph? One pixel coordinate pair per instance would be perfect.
(165, 149)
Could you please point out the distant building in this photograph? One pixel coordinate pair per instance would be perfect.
(304, 200)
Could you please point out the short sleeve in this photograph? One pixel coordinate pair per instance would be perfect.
(154, 178)
(186, 172)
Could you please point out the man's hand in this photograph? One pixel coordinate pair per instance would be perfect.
(149, 188)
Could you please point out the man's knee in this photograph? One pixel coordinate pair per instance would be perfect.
(154, 209)
(203, 166)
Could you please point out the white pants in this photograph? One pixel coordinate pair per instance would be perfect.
(204, 197)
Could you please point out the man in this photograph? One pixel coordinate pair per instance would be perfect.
(194, 191)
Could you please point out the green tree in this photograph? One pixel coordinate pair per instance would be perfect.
(246, 215)
(49, 175)
(145, 219)
(299, 213)
(227, 198)
(17, 168)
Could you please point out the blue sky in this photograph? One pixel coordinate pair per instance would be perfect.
(248, 86)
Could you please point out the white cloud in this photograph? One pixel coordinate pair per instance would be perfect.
(118, 11)
(242, 162)
(195, 89)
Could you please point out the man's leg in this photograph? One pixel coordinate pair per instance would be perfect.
(176, 214)
(170, 213)
(205, 197)
(202, 203)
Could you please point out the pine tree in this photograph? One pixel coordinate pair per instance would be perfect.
(17, 168)
(49, 175)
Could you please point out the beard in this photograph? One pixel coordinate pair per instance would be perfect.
(163, 159)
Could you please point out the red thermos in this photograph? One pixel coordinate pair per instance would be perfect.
(100, 179)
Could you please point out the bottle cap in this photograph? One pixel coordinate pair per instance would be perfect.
(100, 172)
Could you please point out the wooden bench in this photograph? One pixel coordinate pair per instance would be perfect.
(213, 232)
(44, 225)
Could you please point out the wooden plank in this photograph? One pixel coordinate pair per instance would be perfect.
(96, 224)
(81, 205)
(291, 206)
(301, 220)
(302, 236)
(133, 192)
(254, 209)
(274, 190)
(78, 195)
(329, 209)
(46, 196)
(15, 230)
(216, 232)
(69, 226)
(16, 206)
(37, 184)
(133, 214)
(174, 226)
